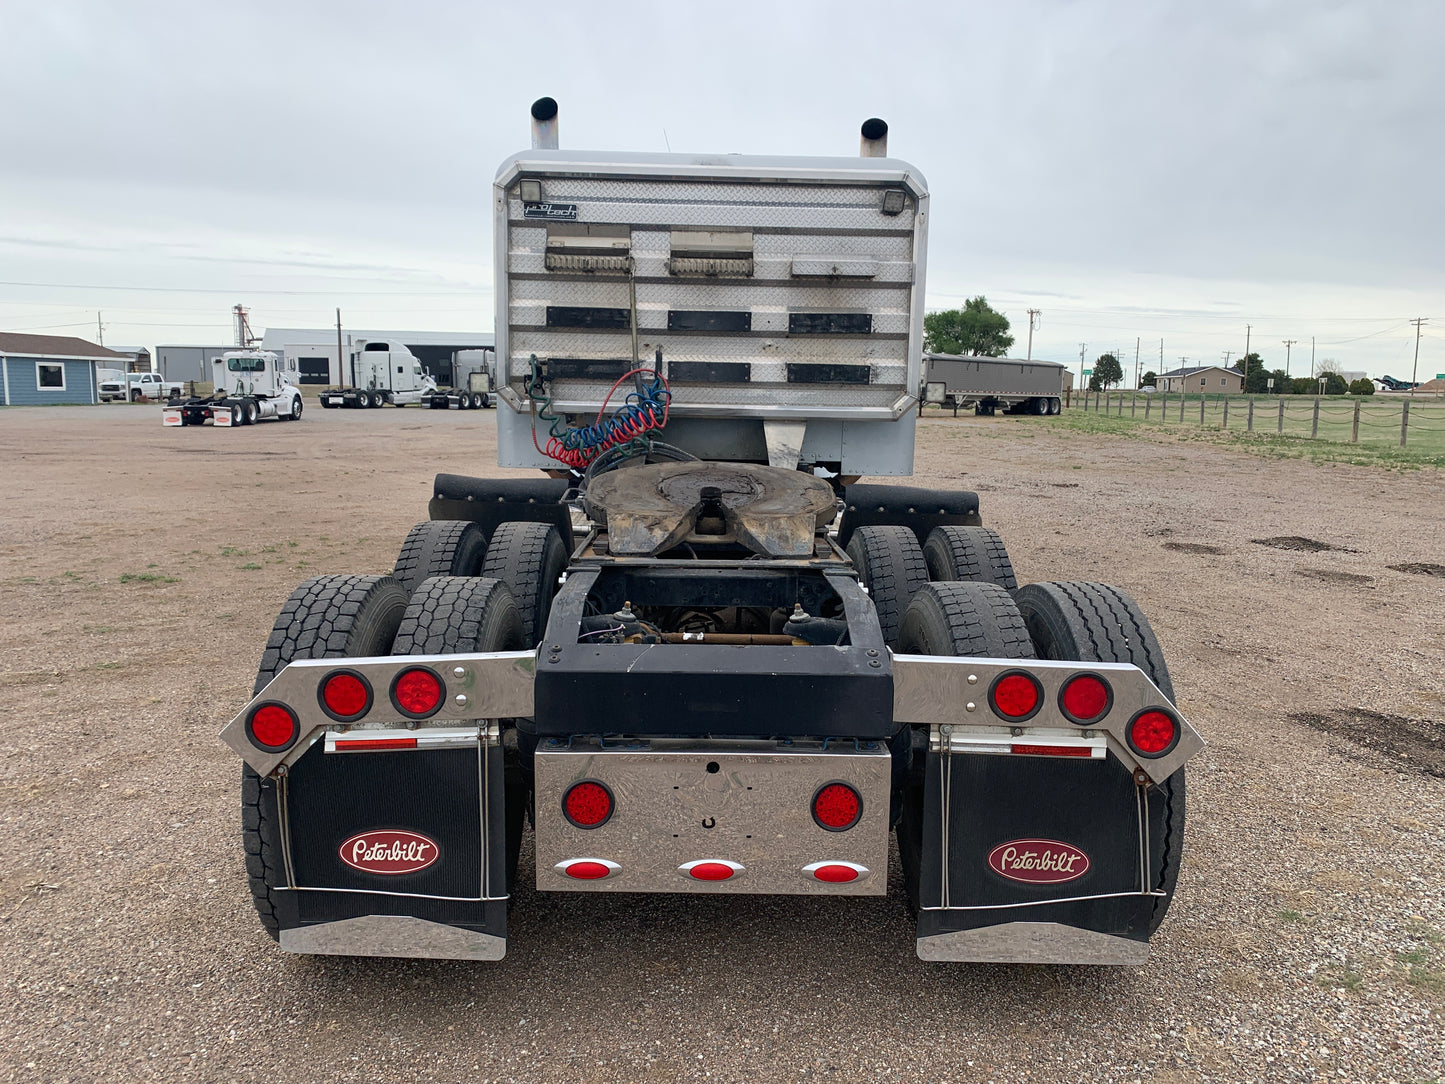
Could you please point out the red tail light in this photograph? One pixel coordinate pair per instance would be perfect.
(587, 804)
(1016, 696)
(272, 727)
(837, 873)
(417, 693)
(345, 696)
(587, 869)
(719, 870)
(1153, 733)
(837, 807)
(1085, 699)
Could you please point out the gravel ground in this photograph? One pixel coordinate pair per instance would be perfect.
(142, 568)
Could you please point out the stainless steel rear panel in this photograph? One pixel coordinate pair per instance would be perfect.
(752, 809)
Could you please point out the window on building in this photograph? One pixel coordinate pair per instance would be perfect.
(50, 376)
(1222, 382)
(1202, 381)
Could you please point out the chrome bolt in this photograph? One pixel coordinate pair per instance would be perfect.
(459, 671)
(461, 699)
(1016, 731)
(970, 706)
(973, 679)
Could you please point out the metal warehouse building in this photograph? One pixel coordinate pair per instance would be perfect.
(41, 370)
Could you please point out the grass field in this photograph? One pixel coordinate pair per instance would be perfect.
(1296, 433)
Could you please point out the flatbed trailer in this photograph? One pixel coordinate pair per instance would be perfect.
(700, 657)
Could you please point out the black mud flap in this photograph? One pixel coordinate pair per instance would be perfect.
(490, 502)
(397, 852)
(1040, 860)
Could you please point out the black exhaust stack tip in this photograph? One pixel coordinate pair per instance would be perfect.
(544, 109)
(873, 127)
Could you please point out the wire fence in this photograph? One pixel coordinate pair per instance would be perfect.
(1403, 421)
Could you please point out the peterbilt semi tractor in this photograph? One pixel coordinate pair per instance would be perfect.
(696, 652)
(388, 372)
(249, 386)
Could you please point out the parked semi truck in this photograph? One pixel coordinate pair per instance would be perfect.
(1012, 385)
(388, 372)
(693, 662)
(250, 386)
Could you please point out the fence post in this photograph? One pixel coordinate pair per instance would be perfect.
(1404, 421)
(1182, 398)
(1134, 405)
(1315, 423)
(1202, 399)
(1280, 428)
(1148, 403)
(1249, 421)
(1225, 423)
(1164, 407)
(1355, 432)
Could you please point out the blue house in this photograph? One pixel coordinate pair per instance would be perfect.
(39, 370)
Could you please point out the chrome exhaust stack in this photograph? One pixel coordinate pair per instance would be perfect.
(875, 138)
(544, 124)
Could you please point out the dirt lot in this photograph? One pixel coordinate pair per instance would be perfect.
(142, 568)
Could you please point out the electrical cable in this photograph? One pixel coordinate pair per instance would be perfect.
(644, 410)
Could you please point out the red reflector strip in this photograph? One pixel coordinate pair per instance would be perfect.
(1053, 750)
(369, 744)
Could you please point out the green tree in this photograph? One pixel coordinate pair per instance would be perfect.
(1107, 372)
(1334, 382)
(1149, 379)
(976, 329)
(1362, 386)
(1282, 382)
(1256, 379)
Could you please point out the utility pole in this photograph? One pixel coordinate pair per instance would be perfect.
(1287, 344)
(1244, 362)
(1415, 369)
(1033, 315)
(1137, 341)
(1227, 355)
(1312, 357)
(99, 330)
(1082, 348)
(340, 357)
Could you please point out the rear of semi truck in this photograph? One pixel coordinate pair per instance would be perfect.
(699, 656)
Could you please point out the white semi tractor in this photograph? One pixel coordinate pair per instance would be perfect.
(388, 372)
(695, 655)
(250, 386)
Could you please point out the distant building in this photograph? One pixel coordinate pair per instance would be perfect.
(40, 370)
(1207, 379)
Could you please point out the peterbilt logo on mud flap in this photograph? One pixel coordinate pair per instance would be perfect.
(389, 850)
(1038, 861)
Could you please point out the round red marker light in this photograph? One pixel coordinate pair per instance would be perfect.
(837, 807)
(417, 693)
(836, 874)
(1015, 696)
(710, 871)
(587, 871)
(345, 695)
(587, 804)
(272, 727)
(1085, 698)
(1153, 733)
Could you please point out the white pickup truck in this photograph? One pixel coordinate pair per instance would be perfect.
(137, 386)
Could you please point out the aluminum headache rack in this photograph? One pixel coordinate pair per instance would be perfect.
(783, 296)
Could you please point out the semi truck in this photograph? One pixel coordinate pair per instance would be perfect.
(1012, 385)
(696, 653)
(249, 386)
(388, 372)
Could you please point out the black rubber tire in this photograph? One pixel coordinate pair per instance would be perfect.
(296, 408)
(961, 620)
(237, 418)
(890, 565)
(486, 401)
(1094, 622)
(328, 617)
(1055, 406)
(440, 547)
(252, 412)
(529, 558)
(968, 553)
(965, 620)
(452, 614)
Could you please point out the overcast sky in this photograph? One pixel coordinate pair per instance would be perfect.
(1144, 171)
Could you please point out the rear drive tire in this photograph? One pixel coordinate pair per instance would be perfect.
(528, 558)
(328, 617)
(968, 553)
(961, 620)
(1093, 622)
(890, 565)
(439, 547)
